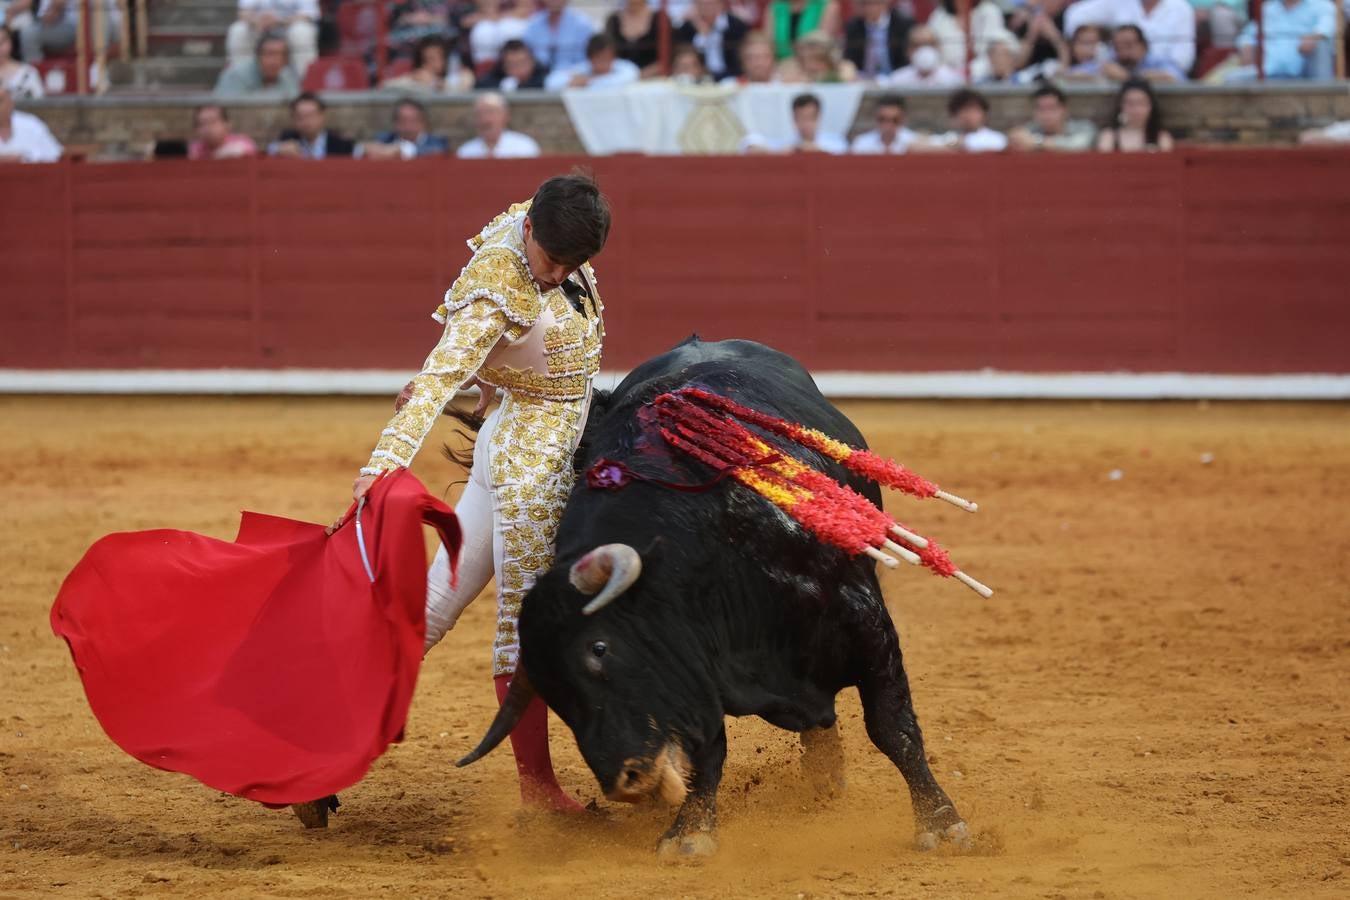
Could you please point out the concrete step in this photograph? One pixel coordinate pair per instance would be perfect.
(198, 72)
(193, 41)
(205, 13)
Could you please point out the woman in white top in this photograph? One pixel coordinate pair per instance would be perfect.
(23, 80)
(493, 27)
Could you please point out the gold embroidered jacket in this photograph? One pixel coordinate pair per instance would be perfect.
(499, 327)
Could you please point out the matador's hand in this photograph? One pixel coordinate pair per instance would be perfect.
(359, 489)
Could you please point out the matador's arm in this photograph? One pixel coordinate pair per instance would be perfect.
(477, 316)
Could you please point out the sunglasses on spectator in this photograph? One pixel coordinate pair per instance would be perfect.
(890, 120)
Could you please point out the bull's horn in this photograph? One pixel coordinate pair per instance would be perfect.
(609, 570)
(518, 697)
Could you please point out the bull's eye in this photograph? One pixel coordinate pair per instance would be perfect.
(599, 649)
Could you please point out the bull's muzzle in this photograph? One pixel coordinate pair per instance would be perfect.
(665, 775)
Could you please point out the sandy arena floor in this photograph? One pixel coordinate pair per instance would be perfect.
(1155, 703)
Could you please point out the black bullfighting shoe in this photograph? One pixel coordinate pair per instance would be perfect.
(314, 814)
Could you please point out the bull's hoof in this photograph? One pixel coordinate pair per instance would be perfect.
(314, 814)
(687, 847)
(957, 835)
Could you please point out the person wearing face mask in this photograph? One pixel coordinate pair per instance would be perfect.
(524, 316)
(926, 67)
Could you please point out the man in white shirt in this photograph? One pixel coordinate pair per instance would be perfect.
(54, 27)
(494, 141)
(926, 67)
(602, 68)
(1169, 25)
(969, 112)
(890, 135)
(810, 139)
(297, 19)
(23, 136)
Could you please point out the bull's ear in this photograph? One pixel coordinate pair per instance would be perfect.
(605, 573)
(518, 697)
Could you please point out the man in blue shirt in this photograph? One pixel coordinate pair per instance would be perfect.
(1298, 41)
(409, 139)
(557, 35)
(1132, 59)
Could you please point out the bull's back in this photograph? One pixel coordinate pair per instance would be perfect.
(754, 374)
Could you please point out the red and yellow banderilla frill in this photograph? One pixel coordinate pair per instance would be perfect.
(705, 426)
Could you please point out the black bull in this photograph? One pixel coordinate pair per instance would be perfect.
(724, 606)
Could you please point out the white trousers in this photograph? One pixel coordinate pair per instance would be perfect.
(481, 553)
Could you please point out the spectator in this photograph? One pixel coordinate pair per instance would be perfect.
(213, 138)
(817, 61)
(970, 133)
(986, 23)
(686, 65)
(1050, 127)
(266, 73)
(516, 70)
(557, 36)
(635, 29)
(410, 138)
(491, 30)
(1333, 135)
(602, 68)
(717, 35)
(309, 137)
(999, 64)
(22, 80)
(1038, 25)
(1137, 124)
(757, 62)
(15, 15)
(53, 29)
(23, 136)
(494, 141)
(810, 139)
(925, 68)
(413, 20)
(431, 68)
(787, 20)
(1085, 55)
(297, 20)
(890, 135)
(1168, 25)
(877, 41)
(1299, 37)
(1217, 22)
(1132, 59)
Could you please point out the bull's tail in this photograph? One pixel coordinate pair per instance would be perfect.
(472, 425)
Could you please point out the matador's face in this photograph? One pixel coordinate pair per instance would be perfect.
(547, 272)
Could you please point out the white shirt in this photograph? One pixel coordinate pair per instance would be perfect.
(869, 143)
(486, 37)
(623, 72)
(511, 145)
(1169, 28)
(833, 144)
(282, 9)
(30, 139)
(942, 76)
(986, 140)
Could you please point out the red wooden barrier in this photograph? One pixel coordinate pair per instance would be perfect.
(1203, 261)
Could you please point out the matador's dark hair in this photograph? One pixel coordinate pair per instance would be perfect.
(570, 217)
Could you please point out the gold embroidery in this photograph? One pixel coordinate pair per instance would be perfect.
(469, 337)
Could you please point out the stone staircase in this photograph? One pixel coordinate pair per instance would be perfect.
(185, 45)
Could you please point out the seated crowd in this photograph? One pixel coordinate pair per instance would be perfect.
(441, 46)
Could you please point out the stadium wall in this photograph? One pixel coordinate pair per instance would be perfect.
(1202, 263)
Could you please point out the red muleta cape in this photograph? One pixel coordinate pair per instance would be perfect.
(272, 667)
